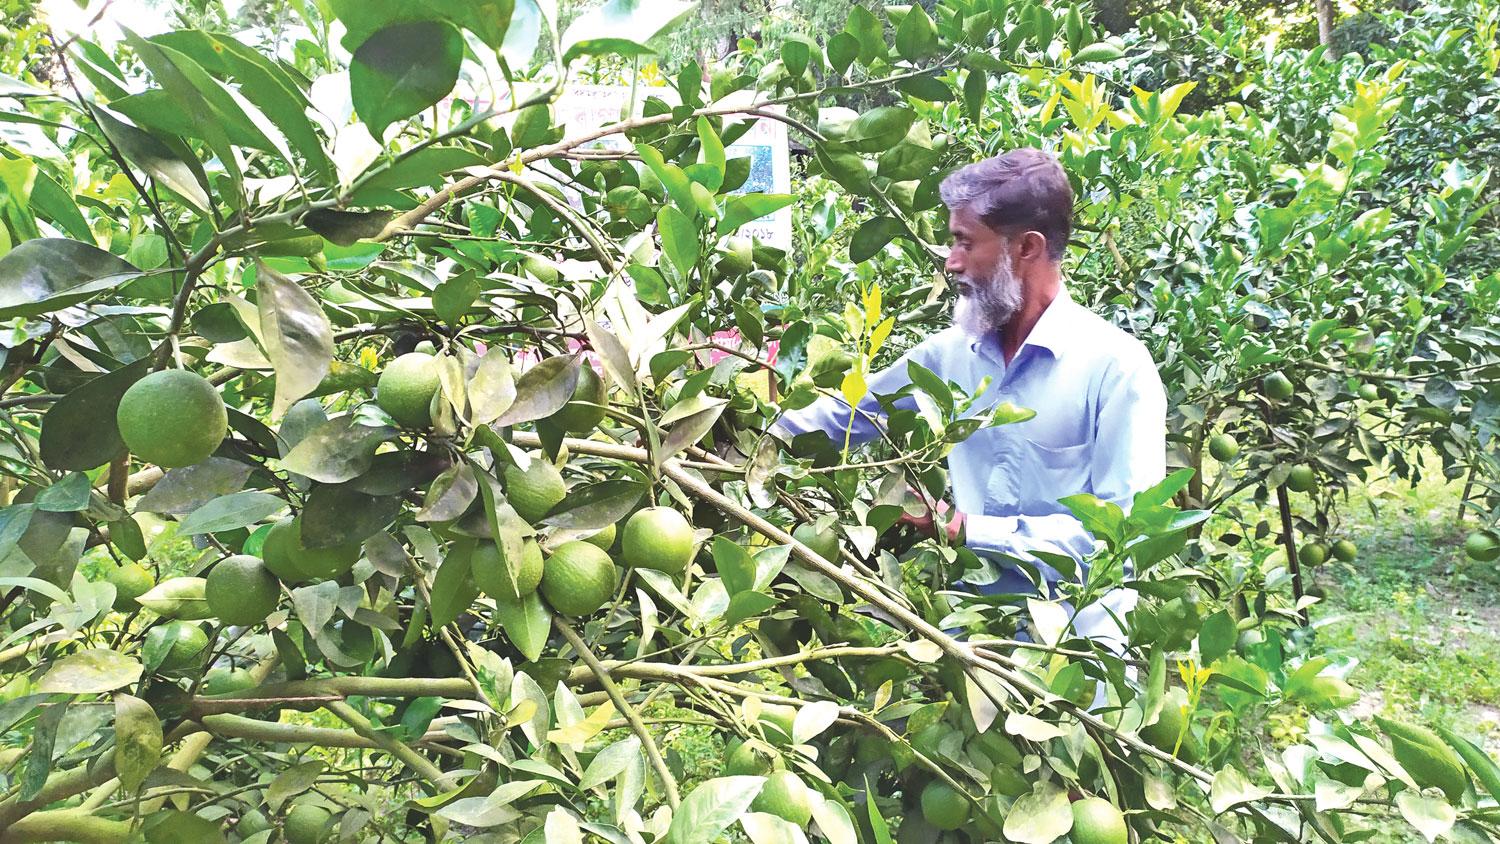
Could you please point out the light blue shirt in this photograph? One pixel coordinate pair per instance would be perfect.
(1100, 427)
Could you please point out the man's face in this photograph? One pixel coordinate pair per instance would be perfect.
(983, 272)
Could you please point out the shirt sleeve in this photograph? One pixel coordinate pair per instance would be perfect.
(830, 413)
(1129, 456)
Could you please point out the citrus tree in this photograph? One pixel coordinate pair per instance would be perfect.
(373, 470)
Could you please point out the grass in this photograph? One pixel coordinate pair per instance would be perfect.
(1422, 619)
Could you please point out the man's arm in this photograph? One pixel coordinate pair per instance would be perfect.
(1129, 456)
(830, 413)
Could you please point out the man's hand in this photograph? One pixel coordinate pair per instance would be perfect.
(927, 523)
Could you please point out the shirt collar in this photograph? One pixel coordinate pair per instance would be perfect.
(1051, 331)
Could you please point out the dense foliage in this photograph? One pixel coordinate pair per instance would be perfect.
(383, 465)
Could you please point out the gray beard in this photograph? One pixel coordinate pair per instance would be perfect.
(984, 307)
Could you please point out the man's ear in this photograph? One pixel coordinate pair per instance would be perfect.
(1033, 246)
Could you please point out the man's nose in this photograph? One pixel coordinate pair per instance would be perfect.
(952, 263)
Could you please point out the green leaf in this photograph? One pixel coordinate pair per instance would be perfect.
(293, 781)
(1216, 637)
(526, 624)
(298, 339)
(679, 239)
(916, 38)
(623, 27)
(39, 755)
(1230, 788)
(541, 391)
(173, 827)
(14, 520)
(687, 432)
(185, 489)
(92, 671)
(197, 93)
(337, 450)
(48, 274)
(676, 183)
(879, 129)
(338, 514)
(240, 509)
(453, 588)
(156, 158)
(138, 741)
(1102, 51)
(1479, 762)
(711, 808)
(450, 494)
(69, 495)
(346, 228)
(597, 505)
(178, 597)
(454, 298)
(1039, 816)
(492, 389)
(50, 201)
(734, 565)
(872, 236)
(79, 431)
(745, 208)
(403, 69)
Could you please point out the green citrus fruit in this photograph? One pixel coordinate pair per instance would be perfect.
(578, 579)
(749, 759)
(778, 719)
(1009, 781)
(1223, 447)
(1345, 551)
(185, 641)
(585, 410)
(535, 491)
(1424, 755)
(1097, 821)
(657, 538)
(1277, 387)
(131, 580)
(943, 807)
(224, 681)
(1369, 392)
(425, 347)
(172, 418)
(1301, 479)
(406, 387)
(1482, 545)
(785, 796)
(292, 562)
(604, 538)
(251, 823)
(1173, 721)
(306, 823)
(824, 543)
(1313, 554)
(241, 590)
(1250, 639)
(488, 566)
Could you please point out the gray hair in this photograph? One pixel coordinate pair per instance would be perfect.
(1024, 189)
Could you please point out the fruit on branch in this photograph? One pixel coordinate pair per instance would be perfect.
(489, 568)
(1345, 551)
(225, 681)
(585, 409)
(406, 388)
(535, 490)
(131, 581)
(751, 758)
(241, 590)
(1223, 447)
(1482, 546)
(604, 538)
(658, 538)
(578, 579)
(943, 806)
(172, 418)
(1369, 392)
(1277, 387)
(1097, 821)
(182, 641)
(825, 543)
(1313, 554)
(1170, 723)
(1301, 479)
(293, 562)
(786, 796)
(777, 720)
(306, 823)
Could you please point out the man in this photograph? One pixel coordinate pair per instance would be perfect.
(1100, 424)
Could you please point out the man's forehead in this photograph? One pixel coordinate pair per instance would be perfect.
(962, 220)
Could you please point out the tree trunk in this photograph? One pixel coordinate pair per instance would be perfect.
(1324, 10)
